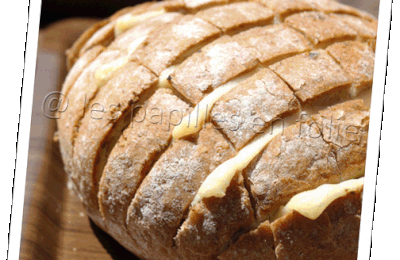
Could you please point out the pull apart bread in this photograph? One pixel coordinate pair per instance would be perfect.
(218, 129)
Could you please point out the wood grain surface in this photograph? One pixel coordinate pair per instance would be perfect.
(54, 223)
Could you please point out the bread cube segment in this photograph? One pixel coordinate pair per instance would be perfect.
(274, 42)
(366, 29)
(322, 29)
(237, 16)
(312, 75)
(357, 60)
(249, 109)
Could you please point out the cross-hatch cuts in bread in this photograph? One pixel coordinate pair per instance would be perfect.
(203, 129)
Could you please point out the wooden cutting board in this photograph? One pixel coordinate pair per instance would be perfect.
(54, 223)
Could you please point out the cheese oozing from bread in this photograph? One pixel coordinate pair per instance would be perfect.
(218, 181)
(103, 74)
(195, 121)
(312, 203)
(127, 21)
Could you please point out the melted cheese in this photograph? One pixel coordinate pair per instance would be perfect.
(312, 203)
(103, 74)
(218, 181)
(136, 43)
(127, 21)
(195, 121)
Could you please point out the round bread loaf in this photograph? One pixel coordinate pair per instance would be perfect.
(219, 129)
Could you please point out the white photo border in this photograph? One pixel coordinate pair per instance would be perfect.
(373, 138)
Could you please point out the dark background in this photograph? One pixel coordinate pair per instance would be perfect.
(53, 10)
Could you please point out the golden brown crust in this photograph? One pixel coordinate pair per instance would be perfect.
(321, 56)
(254, 245)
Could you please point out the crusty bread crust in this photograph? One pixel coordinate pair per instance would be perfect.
(137, 183)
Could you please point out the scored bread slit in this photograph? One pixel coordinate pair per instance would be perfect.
(69, 120)
(217, 182)
(195, 121)
(185, 164)
(75, 72)
(79, 66)
(83, 43)
(247, 15)
(137, 150)
(90, 156)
